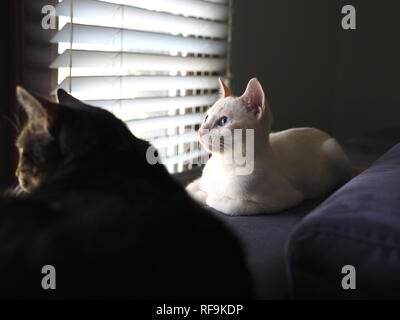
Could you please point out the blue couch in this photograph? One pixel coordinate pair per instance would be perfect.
(300, 253)
(357, 226)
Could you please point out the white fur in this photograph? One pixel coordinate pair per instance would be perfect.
(289, 166)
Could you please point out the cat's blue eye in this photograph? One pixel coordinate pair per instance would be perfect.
(223, 121)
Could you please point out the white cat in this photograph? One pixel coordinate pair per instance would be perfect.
(289, 166)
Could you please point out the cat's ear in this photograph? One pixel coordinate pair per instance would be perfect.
(254, 98)
(42, 113)
(225, 92)
(64, 97)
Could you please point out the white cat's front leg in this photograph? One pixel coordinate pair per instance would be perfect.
(234, 207)
(195, 192)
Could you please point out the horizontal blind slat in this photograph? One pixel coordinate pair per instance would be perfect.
(218, 1)
(173, 140)
(184, 157)
(138, 41)
(103, 13)
(127, 109)
(136, 61)
(214, 10)
(125, 86)
(165, 122)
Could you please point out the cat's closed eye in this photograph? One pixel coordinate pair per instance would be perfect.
(223, 121)
(205, 119)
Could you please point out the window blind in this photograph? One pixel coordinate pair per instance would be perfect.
(153, 63)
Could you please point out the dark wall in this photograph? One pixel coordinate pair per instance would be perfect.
(3, 103)
(38, 51)
(367, 95)
(24, 58)
(314, 72)
(10, 61)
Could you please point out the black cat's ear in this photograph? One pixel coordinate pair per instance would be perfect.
(64, 97)
(42, 113)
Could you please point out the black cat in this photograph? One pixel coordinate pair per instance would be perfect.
(111, 224)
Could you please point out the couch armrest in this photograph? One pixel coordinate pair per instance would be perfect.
(359, 225)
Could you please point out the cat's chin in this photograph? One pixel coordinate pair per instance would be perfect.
(206, 146)
(26, 185)
(212, 150)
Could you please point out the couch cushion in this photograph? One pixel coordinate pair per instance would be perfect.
(358, 225)
(263, 238)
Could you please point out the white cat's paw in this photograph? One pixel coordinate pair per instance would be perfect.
(232, 207)
(194, 191)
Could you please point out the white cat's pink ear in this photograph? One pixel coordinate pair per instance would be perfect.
(254, 98)
(225, 92)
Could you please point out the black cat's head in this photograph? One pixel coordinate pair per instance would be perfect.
(59, 138)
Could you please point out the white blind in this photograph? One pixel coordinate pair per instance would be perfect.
(153, 63)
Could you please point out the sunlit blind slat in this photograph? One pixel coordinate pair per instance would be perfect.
(112, 39)
(129, 17)
(137, 61)
(127, 109)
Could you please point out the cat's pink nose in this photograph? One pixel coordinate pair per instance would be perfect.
(201, 133)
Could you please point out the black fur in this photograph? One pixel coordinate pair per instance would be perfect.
(115, 227)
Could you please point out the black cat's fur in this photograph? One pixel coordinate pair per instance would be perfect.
(112, 225)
